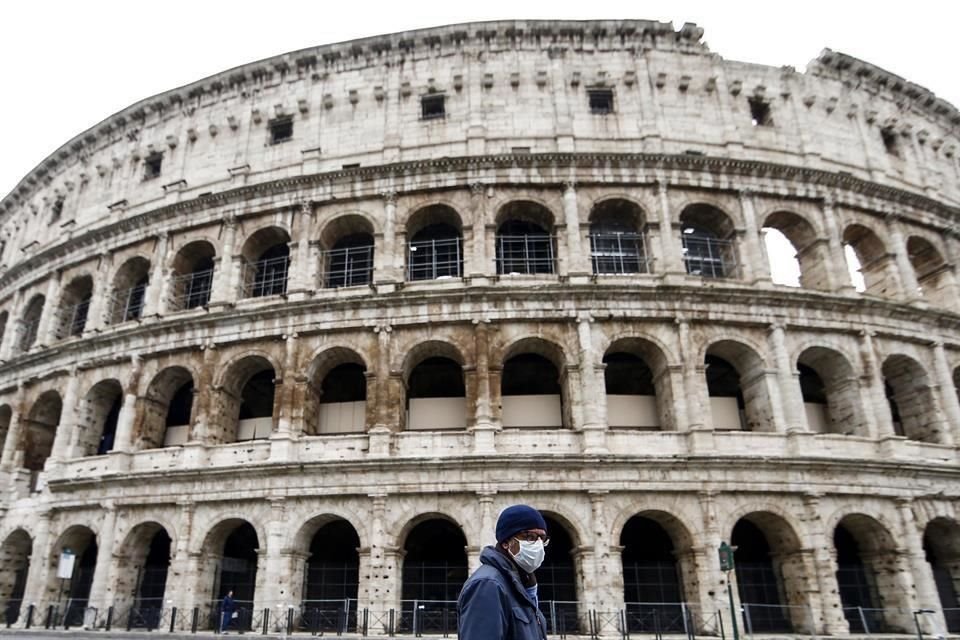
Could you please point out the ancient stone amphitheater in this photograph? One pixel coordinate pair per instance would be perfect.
(303, 328)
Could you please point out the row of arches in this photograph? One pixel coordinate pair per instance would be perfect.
(437, 390)
(658, 568)
(711, 245)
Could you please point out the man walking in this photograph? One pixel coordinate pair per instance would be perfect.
(499, 601)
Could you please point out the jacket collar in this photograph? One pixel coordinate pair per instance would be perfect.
(501, 563)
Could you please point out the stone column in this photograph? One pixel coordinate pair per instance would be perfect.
(607, 587)
(283, 394)
(754, 268)
(47, 328)
(838, 277)
(377, 586)
(14, 431)
(299, 282)
(693, 381)
(479, 264)
(947, 392)
(157, 294)
(380, 434)
(832, 620)
(34, 591)
(484, 429)
(486, 530)
(101, 574)
(100, 303)
(594, 393)
(669, 241)
(789, 382)
(68, 430)
(713, 582)
(879, 420)
(577, 264)
(277, 587)
(182, 579)
(924, 585)
(908, 276)
(385, 261)
(128, 412)
(226, 282)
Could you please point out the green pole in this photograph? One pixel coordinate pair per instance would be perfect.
(733, 610)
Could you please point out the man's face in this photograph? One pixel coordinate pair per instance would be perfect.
(530, 535)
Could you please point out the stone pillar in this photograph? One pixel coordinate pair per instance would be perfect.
(157, 294)
(713, 583)
(182, 579)
(594, 393)
(484, 429)
(205, 409)
(577, 263)
(277, 587)
(486, 530)
(924, 585)
(607, 588)
(838, 277)
(693, 380)
(669, 241)
(480, 263)
(385, 261)
(226, 283)
(40, 554)
(948, 395)
(101, 574)
(789, 382)
(14, 431)
(832, 620)
(378, 582)
(67, 433)
(380, 434)
(284, 389)
(754, 268)
(908, 276)
(879, 420)
(47, 328)
(123, 441)
(102, 296)
(299, 276)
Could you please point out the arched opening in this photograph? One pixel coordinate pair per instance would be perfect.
(99, 415)
(934, 275)
(524, 240)
(531, 392)
(6, 416)
(30, 323)
(342, 396)
(143, 561)
(557, 580)
(727, 406)
(435, 246)
(247, 401)
(911, 400)
(796, 256)
(653, 580)
(348, 246)
(14, 566)
(193, 275)
(40, 431)
(434, 570)
(4, 316)
(617, 238)
(867, 575)
(74, 307)
(831, 392)
(941, 544)
(332, 577)
(231, 552)
(436, 395)
(771, 581)
(80, 543)
(873, 263)
(631, 392)
(167, 410)
(708, 242)
(129, 290)
(266, 261)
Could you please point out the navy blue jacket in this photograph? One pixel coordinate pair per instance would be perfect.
(493, 604)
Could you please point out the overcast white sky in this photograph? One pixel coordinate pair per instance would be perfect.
(67, 65)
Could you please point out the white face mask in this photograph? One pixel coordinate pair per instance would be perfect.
(530, 555)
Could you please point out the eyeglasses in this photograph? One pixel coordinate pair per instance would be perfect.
(529, 536)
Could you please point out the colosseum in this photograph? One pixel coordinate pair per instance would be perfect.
(303, 328)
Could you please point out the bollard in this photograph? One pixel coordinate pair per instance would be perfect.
(723, 635)
(445, 621)
(196, 617)
(130, 619)
(109, 618)
(315, 622)
(30, 616)
(341, 621)
(49, 618)
(390, 623)
(173, 619)
(266, 620)
(366, 620)
(289, 620)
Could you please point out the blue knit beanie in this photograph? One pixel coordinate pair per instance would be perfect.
(518, 518)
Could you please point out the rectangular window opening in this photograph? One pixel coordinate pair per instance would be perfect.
(152, 165)
(281, 130)
(601, 101)
(890, 142)
(433, 106)
(57, 210)
(760, 112)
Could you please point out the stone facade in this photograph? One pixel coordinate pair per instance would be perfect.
(251, 237)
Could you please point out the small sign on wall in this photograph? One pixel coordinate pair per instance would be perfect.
(65, 566)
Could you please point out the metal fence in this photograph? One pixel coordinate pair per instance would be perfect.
(432, 259)
(265, 277)
(347, 267)
(619, 253)
(191, 290)
(710, 257)
(127, 304)
(72, 320)
(526, 254)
